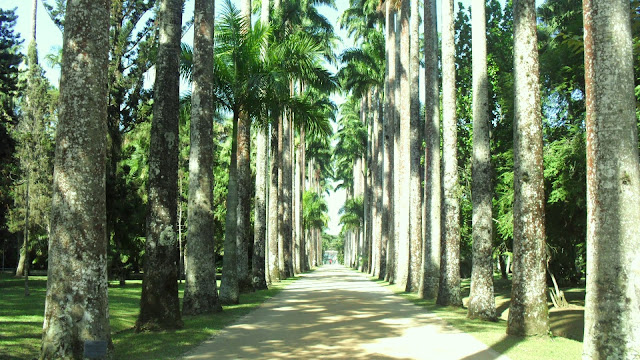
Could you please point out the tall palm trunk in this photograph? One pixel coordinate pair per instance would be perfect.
(528, 312)
(244, 183)
(201, 290)
(432, 193)
(286, 200)
(449, 291)
(612, 310)
(274, 159)
(244, 202)
(402, 165)
(415, 154)
(388, 203)
(260, 259)
(159, 304)
(481, 301)
(380, 247)
(229, 287)
(77, 305)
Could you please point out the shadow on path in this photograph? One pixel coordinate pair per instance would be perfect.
(335, 313)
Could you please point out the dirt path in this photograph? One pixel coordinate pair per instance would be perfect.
(336, 313)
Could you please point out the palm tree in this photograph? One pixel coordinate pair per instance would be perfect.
(432, 204)
(78, 237)
(528, 312)
(613, 184)
(201, 293)
(415, 154)
(388, 191)
(159, 304)
(449, 291)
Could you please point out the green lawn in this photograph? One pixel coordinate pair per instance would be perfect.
(494, 334)
(21, 321)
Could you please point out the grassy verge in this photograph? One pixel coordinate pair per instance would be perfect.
(493, 334)
(21, 321)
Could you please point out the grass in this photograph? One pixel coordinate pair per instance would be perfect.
(493, 334)
(21, 320)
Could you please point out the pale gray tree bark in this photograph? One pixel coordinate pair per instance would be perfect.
(612, 309)
(415, 155)
(286, 200)
(258, 259)
(159, 304)
(244, 184)
(229, 287)
(528, 312)
(432, 194)
(388, 203)
(273, 257)
(76, 311)
(201, 291)
(449, 290)
(481, 300)
(376, 169)
(401, 162)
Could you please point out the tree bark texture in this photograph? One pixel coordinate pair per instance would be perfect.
(229, 287)
(77, 306)
(612, 312)
(432, 192)
(243, 233)
(260, 223)
(415, 154)
(449, 291)
(274, 159)
(201, 291)
(528, 312)
(286, 200)
(376, 169)
(388, 204)
(159, 304)
(481, 299)
(401, 164)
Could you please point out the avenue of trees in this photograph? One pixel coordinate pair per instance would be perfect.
(522, 156)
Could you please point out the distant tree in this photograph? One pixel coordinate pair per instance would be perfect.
(77, 306)
(10, 59)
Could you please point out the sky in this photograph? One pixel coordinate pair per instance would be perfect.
(49, 37)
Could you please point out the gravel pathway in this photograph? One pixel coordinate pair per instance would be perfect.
(337, 313)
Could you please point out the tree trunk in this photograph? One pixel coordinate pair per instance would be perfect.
(376, 184)
(229, 287)
(388, 204)
(432, 198)
(159, 304)
(415, 153)
(612, 309)
(481, 300)
(244, 202)
(200, 291)
(260, 223)
(449, 291)
(528, 312)
(77, 306)
(273, 258)
(285, 229)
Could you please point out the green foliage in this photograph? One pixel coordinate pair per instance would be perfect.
(34, 138)
(314, 211)
(352, 214)
(334, 242)
(22, 321)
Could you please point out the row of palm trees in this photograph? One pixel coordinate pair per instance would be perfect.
(270, 77)
(409, 235)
